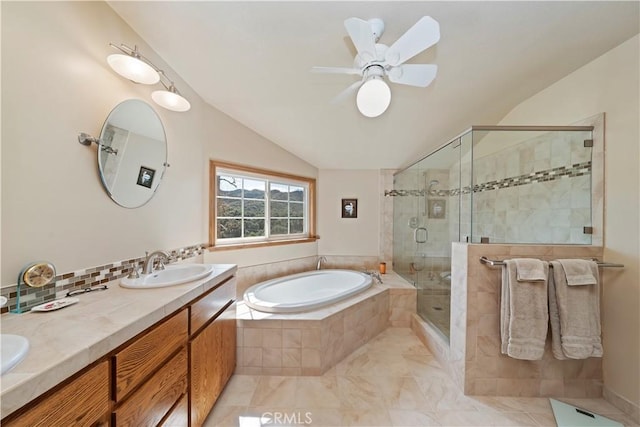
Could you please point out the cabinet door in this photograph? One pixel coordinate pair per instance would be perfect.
(206, 375)
(213, 360)
(228, 324)
(82, 402)
(149, 404)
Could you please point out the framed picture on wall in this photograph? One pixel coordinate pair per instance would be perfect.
(145, 176)
(349, 208)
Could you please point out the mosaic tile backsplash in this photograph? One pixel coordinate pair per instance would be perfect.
(87, 278)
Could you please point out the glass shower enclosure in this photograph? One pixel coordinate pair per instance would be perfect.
(491, 184)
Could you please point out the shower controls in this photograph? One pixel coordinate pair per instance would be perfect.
(420, 235)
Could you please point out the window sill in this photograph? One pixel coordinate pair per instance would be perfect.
(260, 244)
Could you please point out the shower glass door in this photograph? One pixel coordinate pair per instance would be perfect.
(427, 208)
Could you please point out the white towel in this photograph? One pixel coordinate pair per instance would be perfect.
(578, 272)
(574, 313)
(531, 270)
(524, 314)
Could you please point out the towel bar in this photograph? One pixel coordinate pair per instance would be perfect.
(497, 263)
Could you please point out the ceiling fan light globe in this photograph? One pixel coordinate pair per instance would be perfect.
(133, 69)
(373, 98)
(170, 100)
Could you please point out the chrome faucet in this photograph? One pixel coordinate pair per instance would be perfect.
(320, 260)
(147, 267)
(375, 276)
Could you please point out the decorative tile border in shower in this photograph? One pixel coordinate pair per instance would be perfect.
(86, 278)
(577, 169)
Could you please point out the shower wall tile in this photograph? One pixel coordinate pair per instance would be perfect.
(554, 171)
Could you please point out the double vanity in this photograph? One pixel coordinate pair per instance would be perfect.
(125, 357)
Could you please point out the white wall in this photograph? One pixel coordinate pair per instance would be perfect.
(609, 84)
(55, 84)
(353, 237)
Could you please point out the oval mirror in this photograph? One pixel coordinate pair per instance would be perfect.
(132, 155)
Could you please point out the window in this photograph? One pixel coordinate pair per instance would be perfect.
(257, 207)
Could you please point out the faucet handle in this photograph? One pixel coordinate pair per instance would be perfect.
(134, 273)
(374, 275)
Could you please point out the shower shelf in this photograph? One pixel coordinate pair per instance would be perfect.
(498, 263)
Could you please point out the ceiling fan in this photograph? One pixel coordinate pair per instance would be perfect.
(375, 61)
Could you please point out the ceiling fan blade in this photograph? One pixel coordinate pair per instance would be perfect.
(362, 36)
(335, 70)
(345, 93)
(420, 75)
(424, 34)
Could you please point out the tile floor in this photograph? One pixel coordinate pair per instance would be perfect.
(392, 380)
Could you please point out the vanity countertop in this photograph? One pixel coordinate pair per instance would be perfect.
(63, 342)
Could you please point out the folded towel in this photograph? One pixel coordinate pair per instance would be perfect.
(524, 314)
(574, 313)
(530, 270)
(578, 272)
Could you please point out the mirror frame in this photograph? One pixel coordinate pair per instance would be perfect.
(136, 117)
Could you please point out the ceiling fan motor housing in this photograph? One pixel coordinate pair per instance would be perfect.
(362, 63)
(377, 27)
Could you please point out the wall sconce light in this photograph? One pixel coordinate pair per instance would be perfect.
(131, 65)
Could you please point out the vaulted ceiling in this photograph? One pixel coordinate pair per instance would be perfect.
(252, 61)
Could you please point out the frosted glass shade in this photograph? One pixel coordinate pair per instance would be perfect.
(170, 100)
(374, 97)
(133, 69)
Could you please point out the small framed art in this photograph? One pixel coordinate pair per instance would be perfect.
(145, 176)
(349, 208)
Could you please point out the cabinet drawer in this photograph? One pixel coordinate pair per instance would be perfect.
(82, 402)
(179, 417)
(151, 402)
(208, 306)
(142, 357)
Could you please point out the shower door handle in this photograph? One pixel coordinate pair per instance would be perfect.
(420, 235)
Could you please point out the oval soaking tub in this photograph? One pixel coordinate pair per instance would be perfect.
(305, 291)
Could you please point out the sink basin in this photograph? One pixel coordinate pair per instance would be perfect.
(170, 276)
(14, 349)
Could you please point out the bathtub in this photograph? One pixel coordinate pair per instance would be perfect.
(305, 291)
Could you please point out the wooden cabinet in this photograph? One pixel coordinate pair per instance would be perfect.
(169, 375)
(151, 373)
(145, 355)
(148, 405)
(179, 415)
(84, 401)
(212, 351)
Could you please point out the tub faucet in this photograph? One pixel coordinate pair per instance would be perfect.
(375, 276)
(320, 260)
(147, 267)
